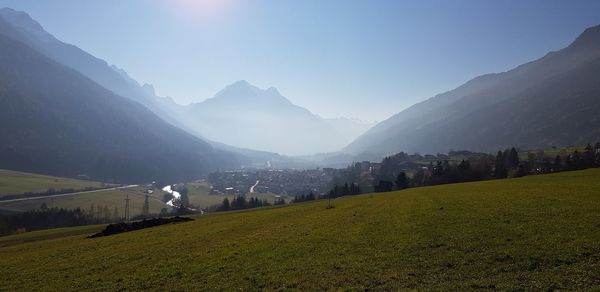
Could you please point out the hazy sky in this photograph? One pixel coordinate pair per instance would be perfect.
(366, 59)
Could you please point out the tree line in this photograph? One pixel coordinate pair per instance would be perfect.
(240, 202)
(46, 218)
(52, 217)
(304, 198)
(401, 171)
(344, 190)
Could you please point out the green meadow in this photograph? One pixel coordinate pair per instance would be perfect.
(109, 198)
(14, 183)
(532, 233)
(199, 194)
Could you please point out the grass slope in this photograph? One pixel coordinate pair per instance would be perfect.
(15, 182)
(538, 232)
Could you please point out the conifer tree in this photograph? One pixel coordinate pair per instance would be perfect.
(513, 158)
(402, 181)
(225, 205)
(557, 163)
(500, 169)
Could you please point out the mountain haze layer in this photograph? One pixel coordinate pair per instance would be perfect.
(350, 128)
(249, 117)
(553, 101)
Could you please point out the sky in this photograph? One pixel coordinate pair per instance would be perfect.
(364, 59)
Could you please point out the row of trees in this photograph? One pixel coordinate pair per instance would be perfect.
(394, 171)
(52, 217)
(46, 218)
(401, 182)
(303, 198)
(508, 163)
(241, 203)
(345, 190)
(401, 170)
(97, 213)
(590, 157)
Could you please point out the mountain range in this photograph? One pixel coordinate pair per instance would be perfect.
(249, 117)
(66, 112)
(205, 120)
(240, 115)
(552, 101)
(56, 120)
(21, 27)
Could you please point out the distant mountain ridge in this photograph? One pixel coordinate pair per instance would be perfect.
(249, 117)
(331, 135)
(28, 31)
(20, 26)
(54, 120)
(553, 101)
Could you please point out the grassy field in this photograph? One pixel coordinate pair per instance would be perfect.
(110, 198)
(49, 234)
(199, 194)
(14, 182)
(532, 233)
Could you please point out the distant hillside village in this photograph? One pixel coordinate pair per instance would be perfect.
(403, 170)
(274, 181)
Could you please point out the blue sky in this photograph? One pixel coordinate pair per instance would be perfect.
(364, 59)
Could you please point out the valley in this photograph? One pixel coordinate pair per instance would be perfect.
(299, 145)
(538, 232)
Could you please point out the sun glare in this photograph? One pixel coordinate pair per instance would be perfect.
(202, 8)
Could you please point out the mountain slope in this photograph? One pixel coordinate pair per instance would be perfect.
(20, 26)
(53, 120)
(249, 117)
(552, 101)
